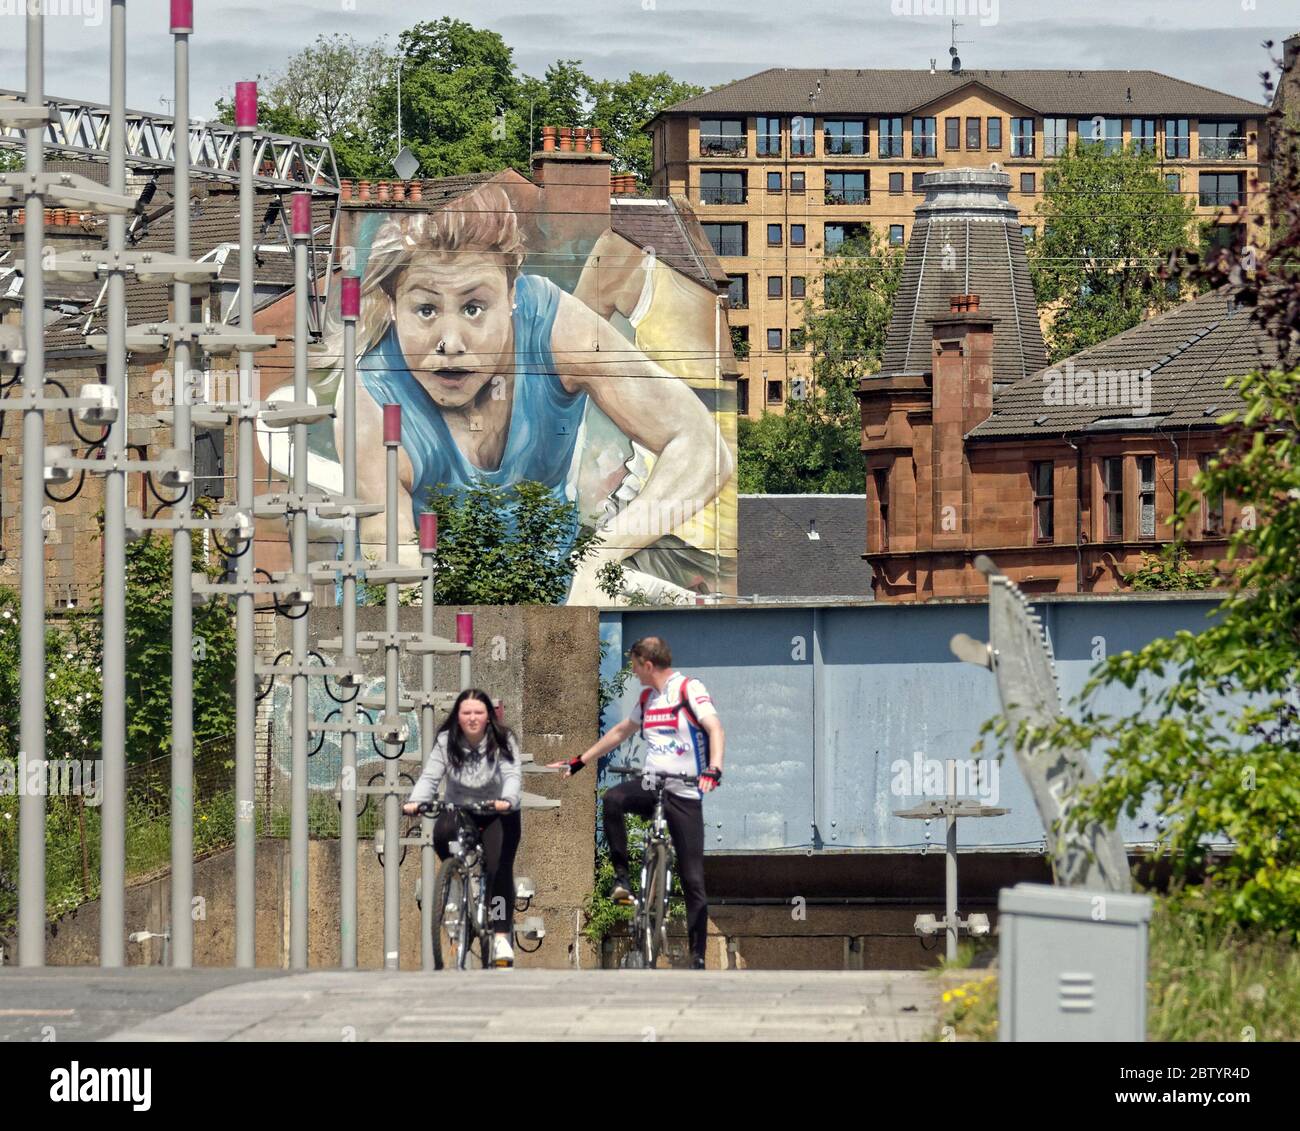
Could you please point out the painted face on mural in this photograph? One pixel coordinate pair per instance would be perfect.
(453, 316)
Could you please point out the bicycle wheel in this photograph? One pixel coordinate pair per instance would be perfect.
(478, 936)
(656, 904)
(451, 887)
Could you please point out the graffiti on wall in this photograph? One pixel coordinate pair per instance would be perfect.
(527, 343)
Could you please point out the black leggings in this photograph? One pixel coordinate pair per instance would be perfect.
(686, 827)
(499, 836)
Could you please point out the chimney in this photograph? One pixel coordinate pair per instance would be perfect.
(573, 169)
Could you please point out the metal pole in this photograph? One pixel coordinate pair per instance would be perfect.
(350, 306)
(298, 802)
(428, 723)
(245, 631)
(950, 864)
(112, 922)
(392, 858)
(182, 761)
(31, 802)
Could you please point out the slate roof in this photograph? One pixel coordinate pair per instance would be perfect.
(777, 559)
(670, 227)
(966, 240)
(1189, 351)
(781, 90)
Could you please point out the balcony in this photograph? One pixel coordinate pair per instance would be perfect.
(844, 147)
(846, 196)
(727, 195)
(1221, 148)
(722, 145)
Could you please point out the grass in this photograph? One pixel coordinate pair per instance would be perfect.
(1203, 984)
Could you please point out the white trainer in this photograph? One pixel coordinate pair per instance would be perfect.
(503, 953)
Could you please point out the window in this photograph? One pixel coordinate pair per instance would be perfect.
(1027, 233)
(1144, 134)
(774, 339)
(722, 137)
(738, 291)
(1056, 137)
(796, 286)
(895, 235)
(1176, 138)
(1105, 132)
(209, 463)
(973, 131)
(896, 184)
(1041, 482)
(767, 136)
(774, 286)
(1211, 504)
(1174, 182)
(774, 235)
(722, 188)
(848, 137)
(837, 235)
(1221, 236)
(994, 136)
(726, 239)
(1222, 139)
(923, 140)
(796, 182)
(798, 338)
(880, 480)
(952, 133)
(1220, 189)
(918, 182)
(774, 392)
(891, 137)
(1022, 137)
(740, 342)
(1146, 496)
(1027, 183)
(802, 136)
(774, 182)
(847, 188)
(742, 396)
(1112, 490)
(797, 235)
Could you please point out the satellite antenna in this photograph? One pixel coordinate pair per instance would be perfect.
(955, 65)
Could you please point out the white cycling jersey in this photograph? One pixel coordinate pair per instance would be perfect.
(675, 744)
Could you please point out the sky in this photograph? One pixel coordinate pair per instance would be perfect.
(1216, 43)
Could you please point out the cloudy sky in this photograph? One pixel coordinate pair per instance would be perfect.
(1213, 42)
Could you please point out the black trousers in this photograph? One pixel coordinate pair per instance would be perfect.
(686, 828)
(499, 835)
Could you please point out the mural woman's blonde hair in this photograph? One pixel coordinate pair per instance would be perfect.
(482, 220)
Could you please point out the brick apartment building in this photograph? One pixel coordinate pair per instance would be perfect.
(785, 165)
(1064, 475)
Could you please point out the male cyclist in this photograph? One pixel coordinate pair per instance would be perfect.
(683, 735)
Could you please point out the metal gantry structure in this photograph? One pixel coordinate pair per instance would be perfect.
(241, 153)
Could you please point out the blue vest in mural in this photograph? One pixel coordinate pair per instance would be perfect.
(544, 418)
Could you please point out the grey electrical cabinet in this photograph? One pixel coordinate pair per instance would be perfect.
(1072, 964)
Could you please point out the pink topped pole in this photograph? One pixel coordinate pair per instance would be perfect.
(429, 533)
(300, 214)
(392, 424)
(246, 105)
(350, 296)
(465, 635)
(182, 19)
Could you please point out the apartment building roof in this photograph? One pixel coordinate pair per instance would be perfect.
(780, 90)
(777, 557)
(966, 240)
(668, 227)
(1188, 352)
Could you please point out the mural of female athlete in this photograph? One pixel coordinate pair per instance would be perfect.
(494, 370)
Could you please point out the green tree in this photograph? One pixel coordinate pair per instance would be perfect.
(815, 446)
(506, 545)
(1215, 741)
(1110, 224)
(621, 109)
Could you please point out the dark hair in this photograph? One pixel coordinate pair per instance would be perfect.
(498, 736)
(654, 650)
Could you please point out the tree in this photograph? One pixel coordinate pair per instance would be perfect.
(1110, 223)
(622, 107)
(516, 545)
(1215, 742)
(815, 447)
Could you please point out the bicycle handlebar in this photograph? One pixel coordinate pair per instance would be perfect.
(434, 808)
(640, 772)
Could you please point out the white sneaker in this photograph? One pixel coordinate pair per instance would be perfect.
(503, 953)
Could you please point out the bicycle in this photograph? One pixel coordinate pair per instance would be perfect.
(461, 903)
(650, 919)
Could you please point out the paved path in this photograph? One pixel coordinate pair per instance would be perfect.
(629, 1005)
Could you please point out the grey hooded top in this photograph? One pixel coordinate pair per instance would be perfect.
(480, 778)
